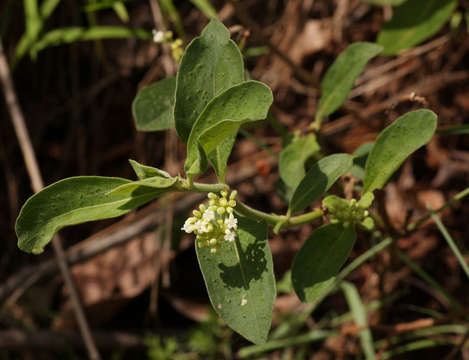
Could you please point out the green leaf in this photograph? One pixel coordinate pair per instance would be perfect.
(413, 22)
(293, 158)
(69, 202)
(72, 34)
(147, 185)
(153, 107)
(143, 171)
(319, 179)
(240, 280)
(211, 64)
(320, 258)
(215, 129)
(341, 76)
(395, 143)
(121, 11)
(359, 316)
(206, 8)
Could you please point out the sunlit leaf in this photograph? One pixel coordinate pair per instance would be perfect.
(340, 77)
(240, 280)
(143, 171)
(319, 260)
(292, 159)
(73, 201)
(395, 143)
(153, 107)
(216, 127)
(319, 179)
(210, 65)
(413, 22)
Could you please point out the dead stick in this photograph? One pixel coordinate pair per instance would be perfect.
(37, 184)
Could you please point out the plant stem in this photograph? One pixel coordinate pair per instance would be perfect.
(305, 218)
(246, 210)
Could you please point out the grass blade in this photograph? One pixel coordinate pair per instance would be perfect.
(360, 318)
(451, 243)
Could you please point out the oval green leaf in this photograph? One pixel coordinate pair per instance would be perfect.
(211, 64)
(248, 101)
(240, 280)
(395, 143)
(148, 184)
(413, 22)
(319, 179)
(153, 107)
(292, 159)
(73, 201)
(319, 260)
(341, 76)
(144, 171)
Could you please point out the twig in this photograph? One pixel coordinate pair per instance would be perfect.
(37, 184)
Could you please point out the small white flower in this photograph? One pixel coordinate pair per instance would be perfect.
(230, 235)
(202, 226)
(208, 215)
(231, 222)
(158, 36)
(189, 226)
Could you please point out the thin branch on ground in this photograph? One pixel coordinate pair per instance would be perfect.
(34, 173)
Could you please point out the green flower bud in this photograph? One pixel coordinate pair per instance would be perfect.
(202, 208)
(197, 213)
(212, 196)
(233, 194)
(224, 193)
(223, 202)
(220, 210)
(213, 250)
(213, 241)
(232, 203)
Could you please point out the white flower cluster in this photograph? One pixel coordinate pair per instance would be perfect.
(214, 223)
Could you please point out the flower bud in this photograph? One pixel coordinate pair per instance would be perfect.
(197, 213)
(232, 203)
(202, 208)
(233, 194)
(221, 210)
(224, 193)
(212, 196)
(213, 250)
(223, 202)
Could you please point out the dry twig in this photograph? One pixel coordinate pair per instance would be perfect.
(37, 184)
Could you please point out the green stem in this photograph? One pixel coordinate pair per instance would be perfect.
(305, 218)
(274, 219)
(457, 197)
(246, 210)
